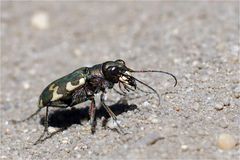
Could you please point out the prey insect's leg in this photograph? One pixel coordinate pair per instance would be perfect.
(26, 119)
(120, 93)
(45, 127)
(128, 88)
(113, 116)
(92, 113)
(121, 89)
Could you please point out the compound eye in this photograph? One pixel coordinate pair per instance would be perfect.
(113, 70)
(120, 61)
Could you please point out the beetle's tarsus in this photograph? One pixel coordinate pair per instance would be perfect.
(41, 139)
(28, 118)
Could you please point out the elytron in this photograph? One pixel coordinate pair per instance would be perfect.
(82, 85)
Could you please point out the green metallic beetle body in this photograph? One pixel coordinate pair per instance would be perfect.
(76, 87)
(82, 84)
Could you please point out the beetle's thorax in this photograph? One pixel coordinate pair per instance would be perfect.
(97, 80)
(96, 71)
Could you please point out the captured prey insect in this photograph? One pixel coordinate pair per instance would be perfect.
(82, 84)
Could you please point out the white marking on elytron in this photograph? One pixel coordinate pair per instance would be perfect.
(51, 87)
(70, 87)
(40, 103)
(55, 95)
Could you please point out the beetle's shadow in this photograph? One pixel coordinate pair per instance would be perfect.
(64, 118)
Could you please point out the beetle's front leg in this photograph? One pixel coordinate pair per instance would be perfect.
(110, 112)
(92, 114)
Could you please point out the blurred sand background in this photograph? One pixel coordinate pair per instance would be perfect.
(196, 41)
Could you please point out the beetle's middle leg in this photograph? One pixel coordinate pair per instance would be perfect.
(92, 114)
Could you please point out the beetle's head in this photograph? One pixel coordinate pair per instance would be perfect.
(117, 72)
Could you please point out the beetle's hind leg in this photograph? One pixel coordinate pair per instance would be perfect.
(30, 117)
(110, 112)
(45, 128)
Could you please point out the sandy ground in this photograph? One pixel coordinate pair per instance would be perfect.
(198, 42)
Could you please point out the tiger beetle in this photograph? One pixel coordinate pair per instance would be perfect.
(82, 85)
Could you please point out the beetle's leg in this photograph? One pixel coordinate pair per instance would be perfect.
(45, 128)
(46, 121)
(92, 113)
(110, 112)
(26, 119)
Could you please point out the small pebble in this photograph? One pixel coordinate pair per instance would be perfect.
(195, 106)
(125, 146)
(3, 157)
(220, 46)
(6, 122)
(77, 52)
(174, 125)
(175, 31)
(26, 85)
(184, 147)
(223, 124)
(84, 147)
(235, 50)
(177, 109)
(226, 141)
(226, 101)
(153, 119)
(177, 60)
(78, 156)
(40, 20)
(67, 150)
(204, 78)
(236, 91)
(32, 71)
(65, 140)
(34, 130)
(112, 124)
(76, 148)
(218, 106)
(25, 130)
(7, 131)
(149, 139)
(52, 129)
(195, 63)
(146, 103)
(187, 76)
(90, 152)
